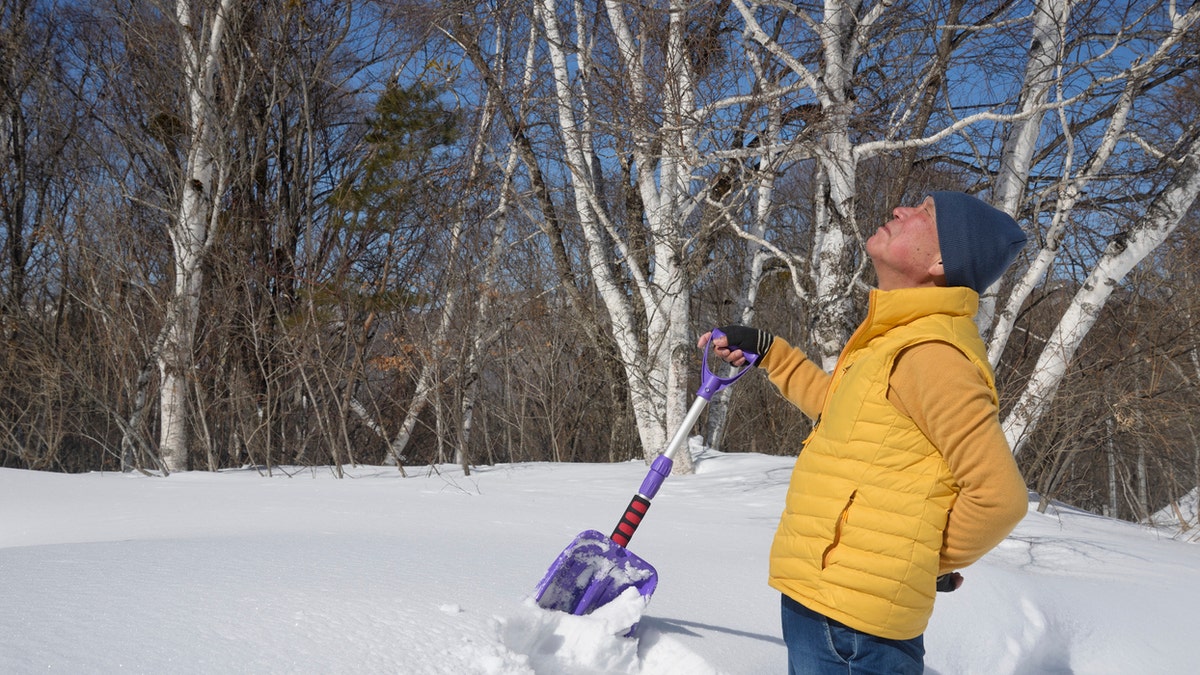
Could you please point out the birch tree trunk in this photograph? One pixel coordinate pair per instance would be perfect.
(1110, 448)
(835, 225)
(518, 119)
(194, 224)
(1196, 474)
(836, 222)
(845, 28)
(428, 380)
(1016, 159)
(1123, 252)
(477, 342)
(1195, 359)
(1143, 497)
(483, 306)
(654, 365)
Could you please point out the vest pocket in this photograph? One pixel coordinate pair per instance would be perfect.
(837, 530)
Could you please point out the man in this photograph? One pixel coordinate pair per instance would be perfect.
(906, 476)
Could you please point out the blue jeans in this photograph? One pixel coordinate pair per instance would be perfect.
(818, 645)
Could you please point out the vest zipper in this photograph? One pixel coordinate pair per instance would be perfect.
(837, 530)
(840, 368)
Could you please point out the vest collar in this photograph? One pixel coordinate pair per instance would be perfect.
(888, 309)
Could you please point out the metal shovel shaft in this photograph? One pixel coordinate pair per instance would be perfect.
(659, 470)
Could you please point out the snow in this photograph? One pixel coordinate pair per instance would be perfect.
(299, 572)
(1181, 516)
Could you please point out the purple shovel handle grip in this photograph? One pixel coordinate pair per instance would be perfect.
(659, 470)
(711, 383)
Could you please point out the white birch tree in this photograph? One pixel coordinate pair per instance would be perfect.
(1020, 145)
(757, 224)
(652, 331)
(842, 31)
(201, 30)
(428, 381)
(1073, 186)
(1124, 252)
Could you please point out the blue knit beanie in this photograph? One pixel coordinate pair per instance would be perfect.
(978, 241)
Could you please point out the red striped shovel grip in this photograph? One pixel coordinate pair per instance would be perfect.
(629, 522)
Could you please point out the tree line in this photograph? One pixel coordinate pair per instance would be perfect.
(416, 232)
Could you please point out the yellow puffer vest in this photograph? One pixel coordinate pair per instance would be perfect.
(861, 531)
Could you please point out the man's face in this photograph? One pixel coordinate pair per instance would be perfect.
(905, 250)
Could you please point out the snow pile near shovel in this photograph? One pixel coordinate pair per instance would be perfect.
(558, 643)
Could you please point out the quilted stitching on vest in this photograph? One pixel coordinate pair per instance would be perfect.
(861, 531)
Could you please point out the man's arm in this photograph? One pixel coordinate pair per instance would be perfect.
(799, 380)
(947, 398)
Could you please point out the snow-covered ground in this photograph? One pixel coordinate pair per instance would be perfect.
(299, 572)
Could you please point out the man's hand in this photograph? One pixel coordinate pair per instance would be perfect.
(738, 339)
(948, 583)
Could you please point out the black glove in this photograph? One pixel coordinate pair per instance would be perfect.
(748, 339)
(948, 583)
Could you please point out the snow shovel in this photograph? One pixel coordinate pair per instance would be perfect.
(594, 569)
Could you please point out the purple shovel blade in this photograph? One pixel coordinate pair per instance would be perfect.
(591, 572)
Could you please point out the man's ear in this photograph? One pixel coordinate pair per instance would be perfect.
(938, 271)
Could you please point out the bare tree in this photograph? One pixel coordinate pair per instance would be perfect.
(1052, 66)
(1073, 186)
(41, 177)
(1122, 254)
(1020, 144)
(200, 29)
